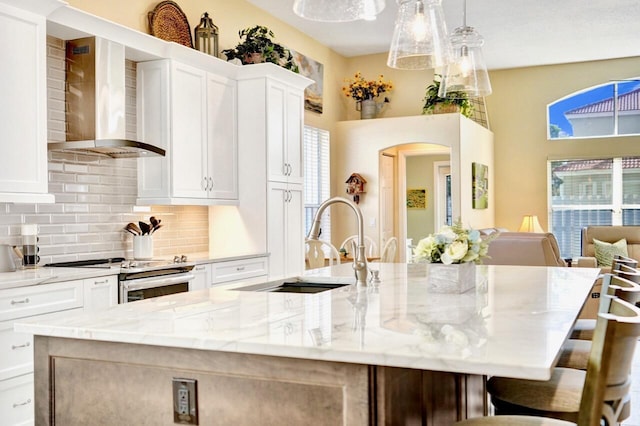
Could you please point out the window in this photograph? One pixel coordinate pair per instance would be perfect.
(592, 192)
(316, 178)
(611, 109)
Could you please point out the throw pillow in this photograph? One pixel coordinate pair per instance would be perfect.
(605, 251)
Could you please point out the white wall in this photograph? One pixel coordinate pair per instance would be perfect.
(356, 146)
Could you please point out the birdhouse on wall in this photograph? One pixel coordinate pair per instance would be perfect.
(355, 186)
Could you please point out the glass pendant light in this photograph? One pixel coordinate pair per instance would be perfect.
(420, 36)
(338, 10)
(466, 75)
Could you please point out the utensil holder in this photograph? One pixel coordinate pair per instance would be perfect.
(142, 247)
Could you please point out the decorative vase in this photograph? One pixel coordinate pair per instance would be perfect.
(253, 58)
(368, 109)
(455, 278)
(445, 108)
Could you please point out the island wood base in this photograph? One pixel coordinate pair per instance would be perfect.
(80, 382)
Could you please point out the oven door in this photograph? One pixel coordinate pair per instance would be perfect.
(146, 288)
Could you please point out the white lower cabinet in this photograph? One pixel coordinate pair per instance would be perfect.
(39, 302)
(100, 293)
(16, 351)
(202, 278)
(249, 271)
(285, 230)
(16, 400)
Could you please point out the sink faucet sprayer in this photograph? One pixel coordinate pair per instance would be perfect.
(359, 260)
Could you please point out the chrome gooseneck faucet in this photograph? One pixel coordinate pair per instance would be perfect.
(359, 260)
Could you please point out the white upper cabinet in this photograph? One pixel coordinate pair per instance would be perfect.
(284, 132)
(192, 115)
(23, 107)
(222, 109)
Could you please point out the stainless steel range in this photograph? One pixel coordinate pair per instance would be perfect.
(143, 279)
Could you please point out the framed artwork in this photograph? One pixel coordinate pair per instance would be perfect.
(417, 198)
(314, 70)
(480, 186)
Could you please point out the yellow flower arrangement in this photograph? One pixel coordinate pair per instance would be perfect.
(360, 89)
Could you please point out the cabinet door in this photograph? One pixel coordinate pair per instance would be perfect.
(100, 293)
(154, 126)
(188, 152)
(294, 152)
(277, 168)
(295, 231)
(23, 113)
(222, 113)
(276, 229)
(202, 278)
(285, 231)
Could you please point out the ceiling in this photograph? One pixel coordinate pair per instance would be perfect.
(517, 33)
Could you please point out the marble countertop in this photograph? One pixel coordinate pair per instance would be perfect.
(44, 275)
(47, 275)
(512, 323)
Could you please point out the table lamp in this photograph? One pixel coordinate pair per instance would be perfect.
(530, 223)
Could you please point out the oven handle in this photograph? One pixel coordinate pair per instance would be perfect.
(151, 282)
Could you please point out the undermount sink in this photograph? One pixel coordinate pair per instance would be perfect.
(293, 286)
(303, 287)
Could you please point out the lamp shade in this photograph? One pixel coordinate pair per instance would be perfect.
(338, 10)
(419, 36)
(530, 223)
(466, 74)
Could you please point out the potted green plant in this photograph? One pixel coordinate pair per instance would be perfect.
(257, 46)
(454, 101)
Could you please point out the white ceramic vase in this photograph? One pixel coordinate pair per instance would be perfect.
(142, 247)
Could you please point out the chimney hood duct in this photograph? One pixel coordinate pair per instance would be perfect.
(95, 102)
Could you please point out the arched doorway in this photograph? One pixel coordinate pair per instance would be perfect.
(413, 195)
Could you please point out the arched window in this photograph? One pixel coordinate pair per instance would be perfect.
(611, 109)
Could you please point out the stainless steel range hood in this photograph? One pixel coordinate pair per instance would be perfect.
(95, 102)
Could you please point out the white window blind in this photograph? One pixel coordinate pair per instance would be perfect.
(316, 178)
(592, 192)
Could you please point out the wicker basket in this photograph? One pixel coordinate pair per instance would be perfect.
(168, 22)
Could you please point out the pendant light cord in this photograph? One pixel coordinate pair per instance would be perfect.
(464, 13)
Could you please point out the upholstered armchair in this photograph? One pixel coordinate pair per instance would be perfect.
(611, 235)
(524, 248)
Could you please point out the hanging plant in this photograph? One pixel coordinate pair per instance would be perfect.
(257, 46)
(434, 104)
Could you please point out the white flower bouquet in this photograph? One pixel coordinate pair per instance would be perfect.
(453, 244)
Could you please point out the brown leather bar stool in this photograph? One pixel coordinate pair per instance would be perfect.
(575, 352)
(583, 328)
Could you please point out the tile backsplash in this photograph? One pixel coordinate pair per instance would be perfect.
(95, 195)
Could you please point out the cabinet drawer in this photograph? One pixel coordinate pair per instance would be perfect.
(230, 285)
(16, 400)
(16, 348)
(16, 351)
(40, 299)
(238, 269)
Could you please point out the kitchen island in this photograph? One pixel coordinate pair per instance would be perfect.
(395, 352)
